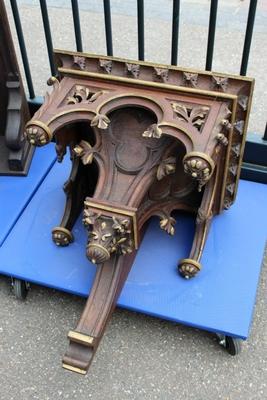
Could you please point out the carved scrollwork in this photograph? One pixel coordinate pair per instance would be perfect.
(106, 65)
(227, 203)
(166, 167)
(153, 131)
(195, 116)
(133, 69)
(108, 235)
(220, 82)
(161, 74)
(101, 121)
(199, 166)
(190, 79)
(84, 151)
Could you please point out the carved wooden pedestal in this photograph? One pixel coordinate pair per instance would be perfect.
(144, 140)
(15, 152)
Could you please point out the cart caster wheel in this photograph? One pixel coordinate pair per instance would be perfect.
(20, 288)
(232, 345)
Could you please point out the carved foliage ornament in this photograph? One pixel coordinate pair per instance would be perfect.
(84, 151)
(109, 235)
(133, 69)
(195, 116)
(82, 94)
(190, 79)
(166, 167)
(153, 131)
(199, 167)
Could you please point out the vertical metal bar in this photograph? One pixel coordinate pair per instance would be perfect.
(107, 15)
(77, 25)
(141, 29)
(265, 133)
(175, 31)
(48, 36)
(211, 35)
(248, 36)
(22, 46)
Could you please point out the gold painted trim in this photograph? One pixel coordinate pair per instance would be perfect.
(41, 125)
(173, 125)
(65, 112)
(140, 82)
(128, 213)
(100, 247)
(81, 337)
(74, 369)
(151, 64)
(127, 95)
(190, 261)
(64, 230)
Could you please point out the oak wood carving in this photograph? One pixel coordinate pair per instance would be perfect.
(15, 152)
(144, 140)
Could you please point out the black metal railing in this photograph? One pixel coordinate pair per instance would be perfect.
(140, 31)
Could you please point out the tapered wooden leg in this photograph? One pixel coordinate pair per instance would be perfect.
(76, 189)
(189, 267)
(107, 287)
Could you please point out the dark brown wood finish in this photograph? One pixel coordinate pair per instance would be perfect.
(144, 140)
(15, 152)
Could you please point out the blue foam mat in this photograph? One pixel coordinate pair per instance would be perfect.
(219, 299)
(17, 191)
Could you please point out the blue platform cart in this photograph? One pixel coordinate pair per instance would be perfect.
(220, 299)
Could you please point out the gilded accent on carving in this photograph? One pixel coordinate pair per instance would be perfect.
(101, 121)
(227, 203)
(162, 74)
(153, 131)
(199, 166)
(61, 236)
(221, 138)
(196, 116)
(233, 169)
(106, 65)
(243, 102)
(239, 126)
(236, 149)
(79, 61)
(220, 82)
(108, 235)
(167, 224)
(85, 151)
(82, 94)
(190, 79)
(37, 133)
(166, 167)
(230, 188)
(203, 216)
(226, 124)
(188, 267)
(133, 69)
